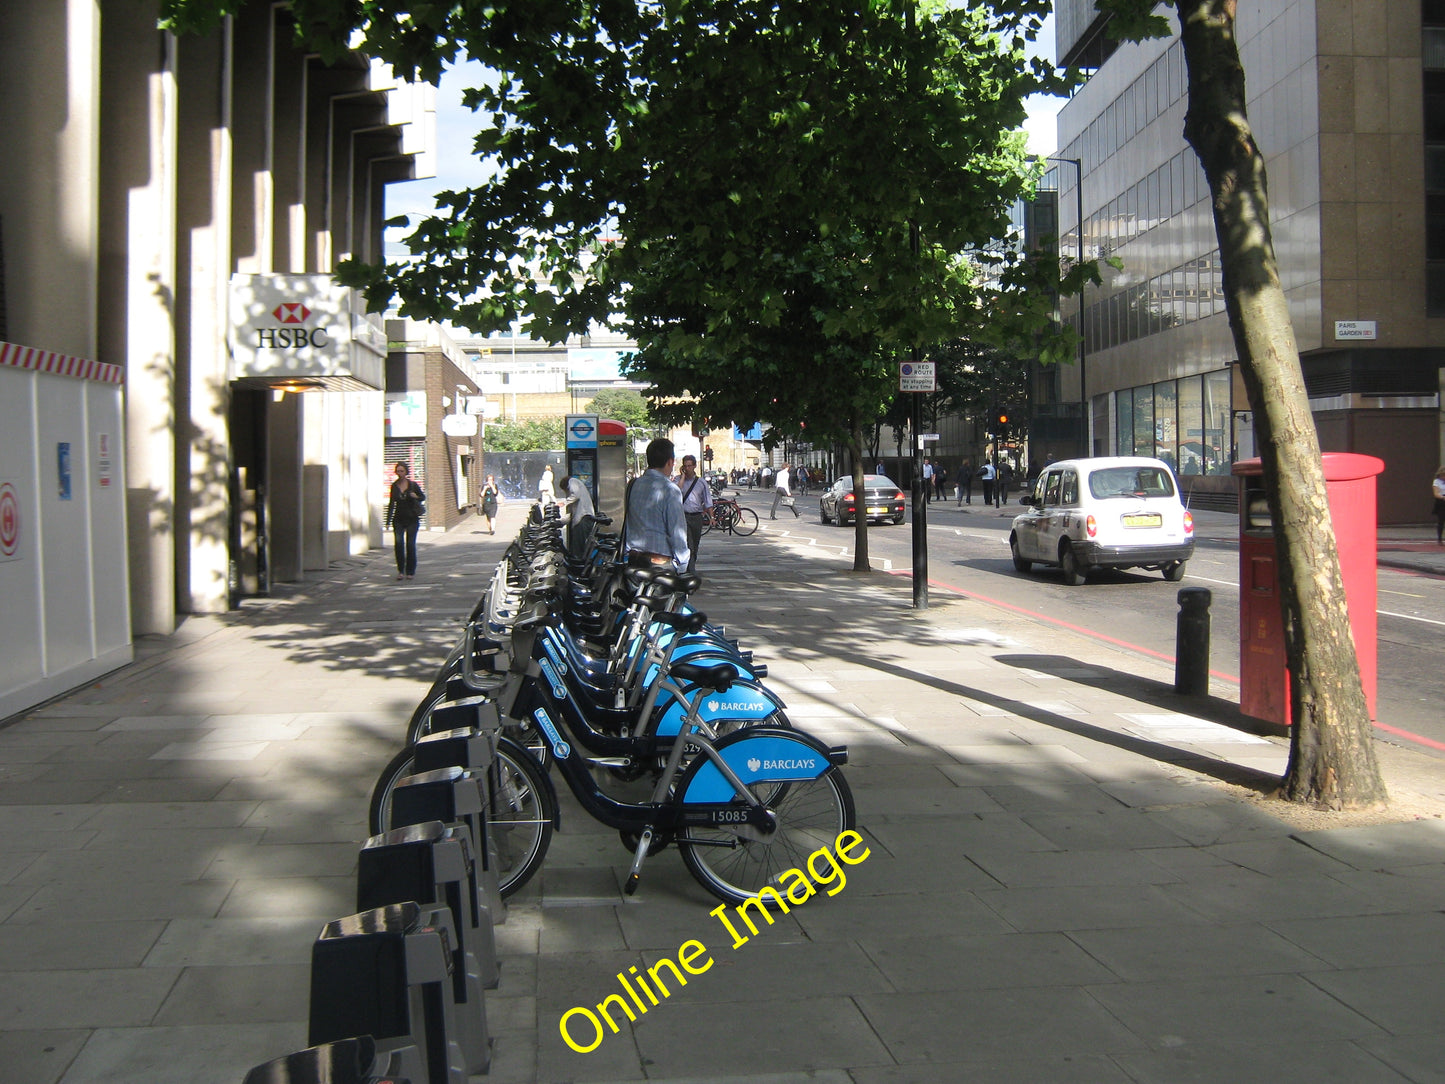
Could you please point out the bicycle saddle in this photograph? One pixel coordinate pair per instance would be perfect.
(669, 581)
(689, 622)
(719, 677)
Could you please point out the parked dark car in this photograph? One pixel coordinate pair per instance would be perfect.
(883, 503)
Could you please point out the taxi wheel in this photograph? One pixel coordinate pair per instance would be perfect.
(1174, 571)
(1023, 564)
(1073, 574)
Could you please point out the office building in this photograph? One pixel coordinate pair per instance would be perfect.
(1346, 99)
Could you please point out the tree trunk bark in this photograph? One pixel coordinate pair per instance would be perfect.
(1332, 758)
(860, 519)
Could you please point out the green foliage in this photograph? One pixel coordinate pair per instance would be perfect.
(800, 148)
(740, 178)
(528, 435)
(623, 405)
(974, 379)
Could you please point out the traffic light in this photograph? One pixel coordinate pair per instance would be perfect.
(707, 454)
(1000, 422)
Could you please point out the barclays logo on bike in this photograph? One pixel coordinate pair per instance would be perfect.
(755, 764)
(552, 654)
(749, 705)
(558, 689)
(560, 749)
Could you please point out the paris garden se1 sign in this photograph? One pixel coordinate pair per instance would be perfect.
(1354, 329)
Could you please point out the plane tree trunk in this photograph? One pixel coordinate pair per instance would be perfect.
(1332, 758)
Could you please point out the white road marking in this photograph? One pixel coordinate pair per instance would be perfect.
(1411, 617)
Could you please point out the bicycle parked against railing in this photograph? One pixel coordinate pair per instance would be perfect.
(727, 515)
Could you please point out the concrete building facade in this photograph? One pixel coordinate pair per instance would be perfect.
(173, 207)
(1347, 102)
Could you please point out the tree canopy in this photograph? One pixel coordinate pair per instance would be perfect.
(622, 405)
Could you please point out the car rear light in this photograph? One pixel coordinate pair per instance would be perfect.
(1091, 526)
(1188, 522)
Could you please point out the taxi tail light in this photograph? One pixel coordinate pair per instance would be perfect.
(1091, 526)
(1188, 521)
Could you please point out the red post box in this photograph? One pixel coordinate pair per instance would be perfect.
(1263, 676)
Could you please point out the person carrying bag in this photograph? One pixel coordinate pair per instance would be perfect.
(403, 515)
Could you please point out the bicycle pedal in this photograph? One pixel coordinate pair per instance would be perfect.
(631, 886)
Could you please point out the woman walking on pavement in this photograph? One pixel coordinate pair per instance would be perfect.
(403, 516)
(490, 496)
(1438, 488)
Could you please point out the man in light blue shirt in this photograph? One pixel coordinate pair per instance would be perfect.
(656, 530)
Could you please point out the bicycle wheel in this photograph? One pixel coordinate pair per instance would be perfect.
(420, 723)
(530, 737)
(746, 522)
(378, 814)
(520, 816)
(810, 813)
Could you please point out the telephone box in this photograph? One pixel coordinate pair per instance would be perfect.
(597, 454)
(1263, 673)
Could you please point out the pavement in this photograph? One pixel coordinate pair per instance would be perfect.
(1072, 874)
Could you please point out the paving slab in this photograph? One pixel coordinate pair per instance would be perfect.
(1285, 1009)
(40, 1056)
(1320, 1062)
(181, 1055)
(959, 1027)
(238, 994)
(1195, 951)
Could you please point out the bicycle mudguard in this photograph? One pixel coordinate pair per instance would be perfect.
(744, 701)
(705, 653)
(760, 754)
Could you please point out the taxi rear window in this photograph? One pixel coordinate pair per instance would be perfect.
(1131, 482)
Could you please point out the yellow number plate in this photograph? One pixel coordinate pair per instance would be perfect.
(1144, 519)
(876, 511)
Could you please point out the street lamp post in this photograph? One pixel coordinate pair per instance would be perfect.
(1083, 347)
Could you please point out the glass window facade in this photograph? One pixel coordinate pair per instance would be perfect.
(1183, 422)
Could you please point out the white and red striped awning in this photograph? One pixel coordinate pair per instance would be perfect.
(48, 361)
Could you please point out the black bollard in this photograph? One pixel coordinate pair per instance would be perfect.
(1191, 642)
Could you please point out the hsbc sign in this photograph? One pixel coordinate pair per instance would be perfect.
(302, 327)
(291, 334)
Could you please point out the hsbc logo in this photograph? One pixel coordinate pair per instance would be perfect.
(291, 312)
(291, 335)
